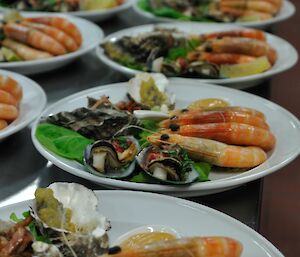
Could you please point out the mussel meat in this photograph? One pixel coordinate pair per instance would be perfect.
(66, 213)
(167, 163)
(113, 158)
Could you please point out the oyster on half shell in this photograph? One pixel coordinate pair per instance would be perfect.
(67, 214)
(113, 158)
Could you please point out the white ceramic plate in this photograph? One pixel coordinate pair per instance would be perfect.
(187, 218)
(287, 55)
(281, 122)
(288, 10)
(96, 15)
(33, 102)
(92, 35)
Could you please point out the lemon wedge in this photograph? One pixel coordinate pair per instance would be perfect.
(259, 65)
(97, 4)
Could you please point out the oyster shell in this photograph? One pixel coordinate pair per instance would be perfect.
(150, 89)
(167, 164)
(113, 158)
(67, 214)
(97, 122)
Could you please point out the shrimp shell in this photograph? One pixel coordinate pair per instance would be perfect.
(3, 124)
(34, 38)
(227, 58)
(195, 117)
(187, 247)
(59, 35)
(8, 112)
(215, 152)
(7, 98)
(229, 133)
(11, 86)
(62, 24)
(247, 33)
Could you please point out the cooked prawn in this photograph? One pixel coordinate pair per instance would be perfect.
(195, 117)
(8, 112)
(7, 98)
(229, 133)
(244, 110)
(25, 52)
(187, 247)
(245, 46)
(261, 6)
(10, 85)
(259, 15)
(34, 38)
(62, 24)
(214, 152)
(67, 41)
(226, 58)
(248, 33)
(3, 124)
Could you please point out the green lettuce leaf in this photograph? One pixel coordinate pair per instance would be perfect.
(203, 170)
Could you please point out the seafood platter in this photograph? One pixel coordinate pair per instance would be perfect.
(21, 101)
(152, 134)
(230, 55)
(33, 44)
(256, 14)
(68, 219)
(93, 10)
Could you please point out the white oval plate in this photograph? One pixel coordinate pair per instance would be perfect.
(288, 10)
(33, 102)
(287, 54)
(92, 35)
(281, 122)
(96, 15)
(186, 217)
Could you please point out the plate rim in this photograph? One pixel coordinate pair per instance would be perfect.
(196, 187)
(40, 93)
(61, 58)
(291, 10)
(261, 76)
(180, 203)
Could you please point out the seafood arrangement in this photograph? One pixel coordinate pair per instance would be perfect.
(10, 97)
(60, 5)
(213, 10)
(178, 146)
(34, 38)
(224, 54)
(64, 221)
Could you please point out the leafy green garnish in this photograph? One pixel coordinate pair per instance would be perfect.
(141, 177)
(32, 227)
(150, 127)
(177, 52)
(132, 64)
(122, 141)
(63, 142)
(203, 170)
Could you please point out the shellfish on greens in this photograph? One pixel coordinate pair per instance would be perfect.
(66, 214)
(167, 163)
(113, 158)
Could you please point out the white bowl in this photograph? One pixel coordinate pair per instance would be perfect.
(127, 210)
(33, 102)
(95, 15)
(287, 54)
(282, 123)
(288, 10)
(92, 35)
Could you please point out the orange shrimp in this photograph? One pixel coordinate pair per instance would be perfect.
(229, 133)
(7, 98)
(195, 117)
(11, 86)
(67, 41)
(214, 152)
(243, 110)
(261, 6)
(8, 112)
(259, 15)
(34, 38)
(226, 58)
(3, 124)
(236, 45)
(62, 24)
(25, 52)
(248, 33)
(186, 247)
